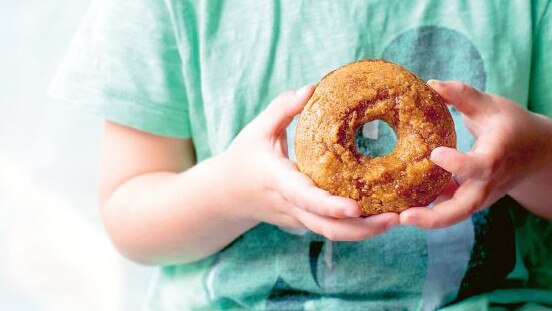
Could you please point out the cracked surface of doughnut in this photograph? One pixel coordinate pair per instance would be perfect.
(360, 92)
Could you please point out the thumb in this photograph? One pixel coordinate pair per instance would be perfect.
(465, 98)
(279, 113)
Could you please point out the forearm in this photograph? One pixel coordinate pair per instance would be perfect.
(165, 217)
(535, 191)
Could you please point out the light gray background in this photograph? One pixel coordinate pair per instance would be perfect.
(54, 254)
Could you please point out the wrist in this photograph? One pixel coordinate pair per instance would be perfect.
(533, 190)
(230, 191)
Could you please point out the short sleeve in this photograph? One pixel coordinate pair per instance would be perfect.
(124, 64)
(540, 96)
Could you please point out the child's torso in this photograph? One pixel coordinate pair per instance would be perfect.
(238, 55)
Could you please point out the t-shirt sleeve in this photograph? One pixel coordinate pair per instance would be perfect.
(124, 64)
(540, 95)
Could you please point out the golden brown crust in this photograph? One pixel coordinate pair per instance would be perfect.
(363, 91)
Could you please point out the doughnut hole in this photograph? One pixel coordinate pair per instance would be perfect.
(375, 139)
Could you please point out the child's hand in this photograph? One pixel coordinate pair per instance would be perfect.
(511, 144)
(268, 187)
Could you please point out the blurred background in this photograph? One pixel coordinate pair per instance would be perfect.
(54, 254)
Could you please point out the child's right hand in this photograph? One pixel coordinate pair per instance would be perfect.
(269, 188)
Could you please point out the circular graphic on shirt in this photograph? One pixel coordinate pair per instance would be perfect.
(434, 52)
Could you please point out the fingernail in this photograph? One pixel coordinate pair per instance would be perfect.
(434, 82)
(302, 91)
(435, 153)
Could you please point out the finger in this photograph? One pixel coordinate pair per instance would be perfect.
(465, 165)
(465, 98)
(448, 192)
(279, 113)
(467, 200)
(300, 191)
(347, 229)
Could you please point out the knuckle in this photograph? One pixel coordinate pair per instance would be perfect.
(304, 204)
(492, 164)
(279, 203)
(458, 87)
(308, 208)
(463, 87)
(336, 212)
(291, 222)
(466, 89)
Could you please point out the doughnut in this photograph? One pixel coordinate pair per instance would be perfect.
(353, 95)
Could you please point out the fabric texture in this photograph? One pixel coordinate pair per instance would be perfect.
(204, 69)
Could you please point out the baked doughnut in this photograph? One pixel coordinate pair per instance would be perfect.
(360, 92)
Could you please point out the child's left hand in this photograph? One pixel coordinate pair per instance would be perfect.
(511, 145)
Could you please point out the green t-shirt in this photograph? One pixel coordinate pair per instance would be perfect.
(204, 69)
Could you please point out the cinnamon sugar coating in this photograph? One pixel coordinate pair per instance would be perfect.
(360, 92)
